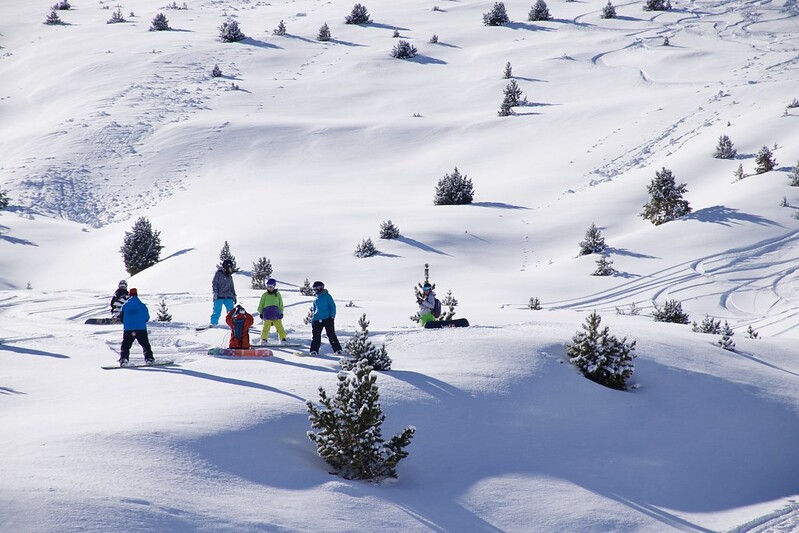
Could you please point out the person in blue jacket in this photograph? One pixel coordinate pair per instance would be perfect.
(324, 315)
(134, 316)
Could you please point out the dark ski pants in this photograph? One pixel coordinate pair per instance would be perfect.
(328, 324)
(127, 341)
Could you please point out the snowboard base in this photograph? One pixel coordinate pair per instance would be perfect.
(241, 352)
(158, 362)
(102, 321)
(456, 323)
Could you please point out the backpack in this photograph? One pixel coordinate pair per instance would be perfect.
(437, 308)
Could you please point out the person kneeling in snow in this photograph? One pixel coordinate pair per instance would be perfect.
(134, 316)
(239, 321)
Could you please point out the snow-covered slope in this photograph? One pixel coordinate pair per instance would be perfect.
(298, 153)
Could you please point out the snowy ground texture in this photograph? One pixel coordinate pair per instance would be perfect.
(298, 153)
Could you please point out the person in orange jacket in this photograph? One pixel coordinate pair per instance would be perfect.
(239, 321)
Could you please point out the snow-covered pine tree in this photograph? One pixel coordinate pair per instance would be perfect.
(159, 23)
(513, 94)
(116, 17)
(765, 161)
(388, 230)
(216, 72)
(670, 312)
(505, 108)
(454, 189)
(666, 203)
(141, 247)
(403, 50)
(358, 15)
(309, 316)
(739, 172)
(52, 19)
(724, 149)
(281, 28)
(594, 242)
(498, 16)
(726, 341)
(793, 177)
(62, 5)
(395, 34)
(229, 32)
(657, 5)
(751, 333)
(508, 72)
(608, 12)
(324, 33)
(366, 249)
(433, 39)
(306, 289)
(163, 312)
(360, 348)
(5, 201)
(784, 202)
(348, 428)
(261, 271)
(534, 304)
(448, 305)
(539, 11)
(600, 356)
(224, 254)
(604, 266)
(708, 325)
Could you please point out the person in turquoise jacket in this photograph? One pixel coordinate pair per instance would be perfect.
(134, 316)
(271, 310)
(324, 316)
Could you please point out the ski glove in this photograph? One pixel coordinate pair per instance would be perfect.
(216, 296)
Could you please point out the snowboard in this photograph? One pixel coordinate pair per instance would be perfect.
(102, 321)
(158, 362)
(241, 352)
(456, 323)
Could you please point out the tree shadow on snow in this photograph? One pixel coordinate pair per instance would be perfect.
(382, 26)
(29, 351)
(260, 44)
(426, 60)
(345, 43)
(526, 26)
(181, 371)
(498, 205)
(176, 254)
(628, 253)
(16, 240)
(719, 214)
(421, 246)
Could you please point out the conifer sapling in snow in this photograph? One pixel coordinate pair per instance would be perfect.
(324, 33)
(608, 12)
(450, 303)
(793, 177)
(666, 202)
(366, 249)
(261, 272)
(600, 356)
(594, 242)
(388, 230)
(508, 73)
(229, 32)
(534, 304)
(764, 161)
(358, 15)
(348, 428)
(360, 348)
(657, 5)
(52, 19)
(159, 23)
(539, 11)
(670, 312)
(454, 189)
(163, 312)
(739, 172)
(498, 16)
(726, 341)
(141, 247)
(306, 289)
(724, 149)
(5, 201)
(116, 17)
(708, 325)
(224, 255)
(281, 29)
(419, 290)
(751, 333)
(216, 72)
(403, 50)
(604, 266)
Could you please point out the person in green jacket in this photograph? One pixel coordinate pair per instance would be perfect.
(271, 310)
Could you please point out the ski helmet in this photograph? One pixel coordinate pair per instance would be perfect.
(271, 283)
(318, 285)
(427, 287)
(123, 284)
(227, 263)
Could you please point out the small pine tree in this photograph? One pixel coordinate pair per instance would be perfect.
(434, 39)
(229, 32)
(324, 33)
(395, 34)
(513, 94)
(539, 11)
(498, 16)
(349, 435)
(216, 72)
(608, 12)
(751, 333)
(5, 201)
(163, 312)
(657, 5)
(666, 203)
(403, 50)
(671, 312)
(224, 254)
(62, 5)
(604, 266)
(52, 19)
(594, 242)
(360, 348)
(600, 356)
(708, 325)
(141, 247)
(505, 108)
(388, 230)
(366, 249)
(724, 149)
(739, 172)
(726, 341)
(448, 305)
(454, 189)
(261, 272)
(632, 311)
(784, 202)
(534, 304)
(793, 177)
(116, 17)
(358, 15)
(281, 29)
(765, 161)
(309, 316)
(306, 289)
(508, 72)
(159, 23)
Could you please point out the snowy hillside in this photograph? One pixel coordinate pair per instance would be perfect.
(297, 153)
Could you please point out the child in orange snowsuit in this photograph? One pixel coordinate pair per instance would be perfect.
(239, 321)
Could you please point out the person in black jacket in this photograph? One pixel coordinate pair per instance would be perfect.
(118, 299)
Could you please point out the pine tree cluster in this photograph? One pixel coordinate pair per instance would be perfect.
(360, 348)
(454, 189)
(116, 17)
(708, 325)
(366, 249)
(600, 356)
(657, 5)
(608, 12)
(281, 29)
(388, 230)
(670, 312)
(5, 201)
(348, 434)
(539, 11)
(724, 149)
